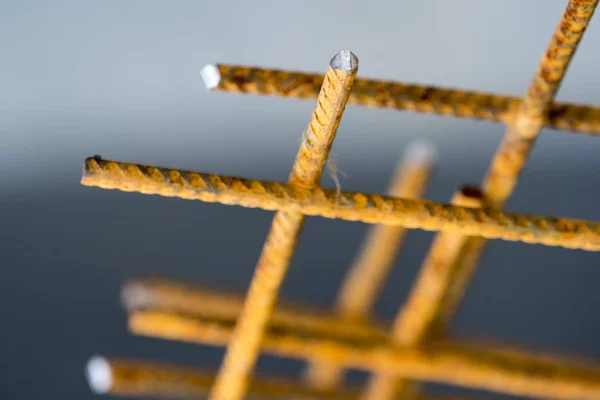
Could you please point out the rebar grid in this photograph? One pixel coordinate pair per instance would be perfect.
(158, 317)
(415, 349)
(489, 368)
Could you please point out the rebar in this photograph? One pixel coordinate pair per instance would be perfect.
(242, 353)
(570, 117)
(132, 378)
(351, 206)
(529, 117)
(441, 282)
(186, 299)
(496, 370)
(136, 378)
(368, 273)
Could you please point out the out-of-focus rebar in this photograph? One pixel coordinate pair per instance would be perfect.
(131, 378)
(511, 372)
(351, 206)
(367, 275)
(278, 249)
(576, 118)
(186, 299)
(134, 378)
(441, 282)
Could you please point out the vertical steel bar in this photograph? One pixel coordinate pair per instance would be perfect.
(243, 350)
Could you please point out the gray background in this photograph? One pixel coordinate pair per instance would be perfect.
(121, 79)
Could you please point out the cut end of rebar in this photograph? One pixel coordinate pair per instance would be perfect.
(211, 76)
(468, 196)
(89, 165)
(345, 60)
(135, 296)
(99, 375)
(85, 168)
(471, 192)
(421, 151)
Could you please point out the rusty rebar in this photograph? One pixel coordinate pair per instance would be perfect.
(426, 304)
(187, 299)
(242, 353)
(133, 378)
(351, 206)
(576, 118)
(440, 282)
(510, 372)
(533, 110)
(439, 286)
(367, 274)
(136, 378)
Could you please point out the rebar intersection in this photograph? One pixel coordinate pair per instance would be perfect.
(417, 348)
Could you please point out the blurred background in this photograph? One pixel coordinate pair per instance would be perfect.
(121, 79)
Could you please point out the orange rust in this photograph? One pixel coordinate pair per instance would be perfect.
(530, 115)
(186, 299)
(436, 282)
(576, 118)
(414, 324)
(510, 372)
(134, 378)
(242, 353)
(351, 206)
(369, 271)
(434, 296)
